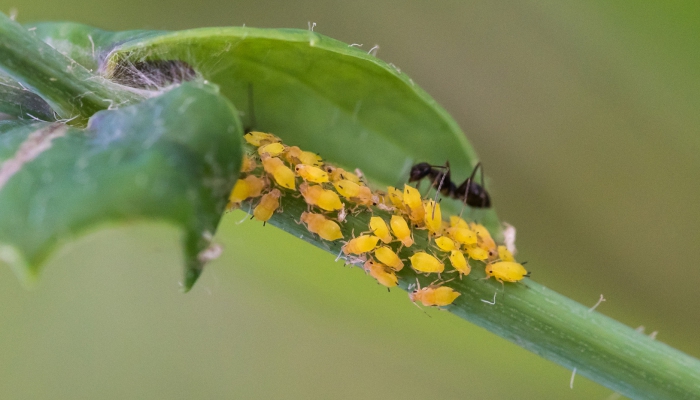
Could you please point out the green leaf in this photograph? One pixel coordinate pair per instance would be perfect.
(313, 91)
(21, 103)
(72, 91)
(173, 158)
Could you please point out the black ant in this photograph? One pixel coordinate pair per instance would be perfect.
(469, 192)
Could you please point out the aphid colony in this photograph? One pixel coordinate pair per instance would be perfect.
(331, 193)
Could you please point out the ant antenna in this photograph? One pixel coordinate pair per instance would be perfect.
(437, 192)
(251, 106)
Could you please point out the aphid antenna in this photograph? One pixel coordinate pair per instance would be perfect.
(419, 307)
(432, 284)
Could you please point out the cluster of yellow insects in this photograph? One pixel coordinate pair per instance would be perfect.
(322, 187)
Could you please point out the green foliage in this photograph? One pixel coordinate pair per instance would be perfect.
(313, 91)
(176, 155)
(154, 160)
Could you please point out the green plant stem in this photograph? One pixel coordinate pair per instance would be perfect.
(542, 321)
(22, 103)
(69, 88)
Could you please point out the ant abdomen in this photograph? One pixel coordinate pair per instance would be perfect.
(470, 192)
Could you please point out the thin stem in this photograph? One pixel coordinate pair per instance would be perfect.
(542, 321)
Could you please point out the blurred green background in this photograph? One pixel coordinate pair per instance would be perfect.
(586, 117)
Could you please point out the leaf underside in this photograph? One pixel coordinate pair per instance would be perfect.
(154, 160)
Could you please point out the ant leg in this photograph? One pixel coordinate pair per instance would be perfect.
(483, 184)
(464, 198)
(469, 183)
(437, 192)
(446, 175)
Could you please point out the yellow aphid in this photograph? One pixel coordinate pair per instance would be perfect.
(364, 197)
(504, 254)
(361, 244)
(459, 262)
(433, 216)
(386, 256)
(269, 203)
(382, 202)
(485, 238)
(311, 173)
(412, 197)
(396, 197)
(315, 195)
(297, 156)
(282, 174)
(424, 262)
(248, 164)
(458, 222)
(310, 158)
(273, 149)
(434, 296)
(506, 271)
(414, 203)
(400, 229)
(251, 186)
(339, 174)
(379, 228)
(322, 226)
(347, 188)
(445, 244)
(260, 138)
(462, 235)
(477, 253)
(381, 273)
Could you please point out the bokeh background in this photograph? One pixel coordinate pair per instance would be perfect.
(586, 117)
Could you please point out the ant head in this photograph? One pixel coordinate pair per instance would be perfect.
(419, 171)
